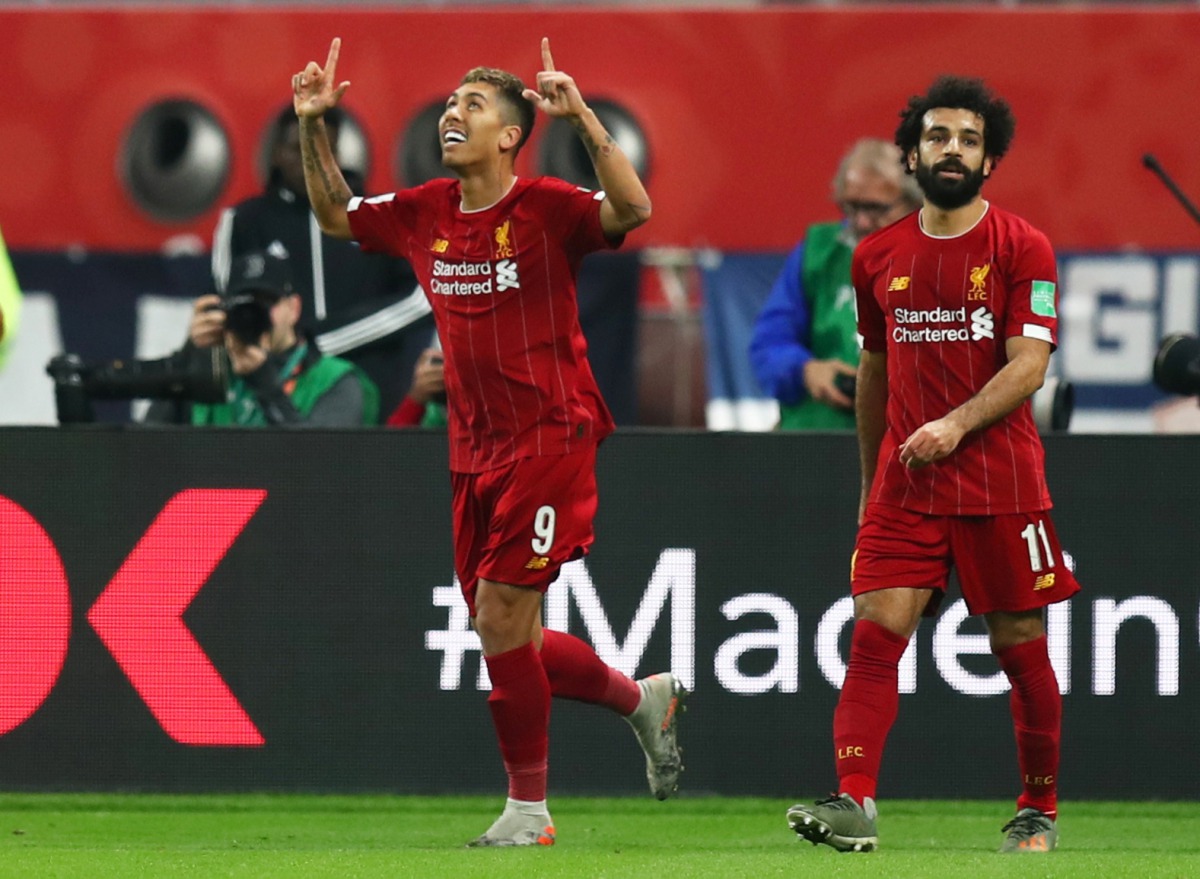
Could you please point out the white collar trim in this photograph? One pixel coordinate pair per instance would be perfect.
(987, 206)
(493, 204)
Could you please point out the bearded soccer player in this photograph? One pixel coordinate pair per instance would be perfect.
(498, 257)
(958, 314)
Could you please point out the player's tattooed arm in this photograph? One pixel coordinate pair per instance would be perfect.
(627, 205)
(596, 150)
(313, 93)
(331, 186)
(328, 192)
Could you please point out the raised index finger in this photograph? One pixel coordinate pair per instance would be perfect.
(547, 59)
(335, 49)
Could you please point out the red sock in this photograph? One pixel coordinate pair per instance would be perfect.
(867, 707)
(1037, 719)
(520, 706)
(576, 672)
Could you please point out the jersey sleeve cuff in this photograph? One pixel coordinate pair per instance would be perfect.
(1037, 331)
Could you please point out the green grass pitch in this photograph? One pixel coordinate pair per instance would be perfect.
(267, 836)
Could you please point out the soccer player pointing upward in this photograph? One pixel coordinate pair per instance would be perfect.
(498, 256)
(958, 314)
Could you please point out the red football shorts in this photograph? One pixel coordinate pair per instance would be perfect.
(1011, 562)
(520, 523)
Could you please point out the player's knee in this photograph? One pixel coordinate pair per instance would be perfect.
(493, 619)
(1006, 630)
(503, 624)
(897, 610)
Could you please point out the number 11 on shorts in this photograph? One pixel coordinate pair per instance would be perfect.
(1031, 534)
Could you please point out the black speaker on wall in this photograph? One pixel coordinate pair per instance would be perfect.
(562, 154)
(175, 160)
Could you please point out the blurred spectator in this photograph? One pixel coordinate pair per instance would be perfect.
(805, 344)
(10, 301)
(366, 308)
(279, 376)
(425, 403)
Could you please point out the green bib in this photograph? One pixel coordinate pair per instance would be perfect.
(832, 320)
(435, 415)
(312, 384)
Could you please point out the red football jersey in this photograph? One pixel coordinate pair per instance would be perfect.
(502, 284)
(942, 309)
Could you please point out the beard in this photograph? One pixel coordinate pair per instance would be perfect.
(945, 193)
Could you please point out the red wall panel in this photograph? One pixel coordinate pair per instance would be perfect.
(746, 111)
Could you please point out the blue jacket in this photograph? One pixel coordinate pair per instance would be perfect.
(778, 348)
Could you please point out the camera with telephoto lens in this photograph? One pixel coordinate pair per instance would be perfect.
(198, 375)
(1177, 364)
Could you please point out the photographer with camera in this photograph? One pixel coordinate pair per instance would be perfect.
(366, 308)
(278, 376)
(805, 344)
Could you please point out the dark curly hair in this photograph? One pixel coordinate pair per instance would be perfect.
(959, 93)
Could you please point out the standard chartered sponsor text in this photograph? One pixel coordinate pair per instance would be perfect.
(928, 333)
(443, 269)
(930, 315)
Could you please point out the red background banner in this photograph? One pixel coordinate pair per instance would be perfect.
(746, 112)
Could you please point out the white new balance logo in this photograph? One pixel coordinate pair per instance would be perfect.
(983, 325)
(506, 275)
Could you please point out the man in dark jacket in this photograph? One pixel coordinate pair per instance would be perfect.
(366, 308)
